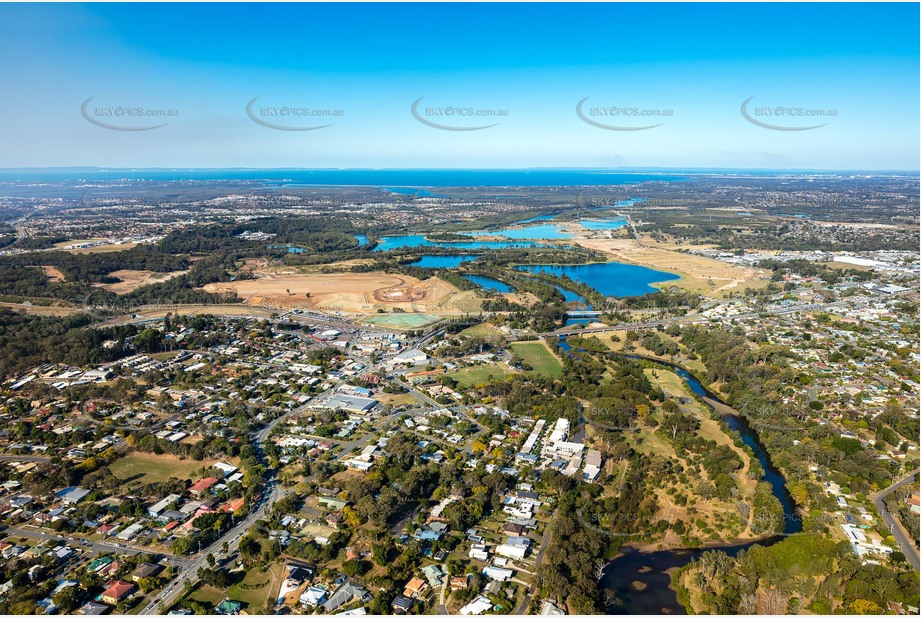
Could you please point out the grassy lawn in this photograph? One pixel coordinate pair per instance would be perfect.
(208, 595)
(395, 399)
(150, 468)
(101, 249)
(402, 320)
(650, 442)
(256, 599)
(482, 330)
(474, 376)
(253, 600)
(694, 366)
(669, 381)
(539, 356)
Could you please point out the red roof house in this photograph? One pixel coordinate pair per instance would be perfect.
(203, 485)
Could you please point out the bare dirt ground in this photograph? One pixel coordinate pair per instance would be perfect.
(54, 274)
(347, 292)
(522, 298)
(698, 274)
(134, 279)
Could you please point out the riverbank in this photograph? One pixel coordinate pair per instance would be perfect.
(715, 545)
(639, 579)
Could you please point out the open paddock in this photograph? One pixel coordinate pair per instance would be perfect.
(149, 468)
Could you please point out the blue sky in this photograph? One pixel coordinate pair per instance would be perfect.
(369, 62)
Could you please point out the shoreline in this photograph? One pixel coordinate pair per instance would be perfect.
(652, 547)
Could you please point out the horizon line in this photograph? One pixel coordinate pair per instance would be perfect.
(461, 169)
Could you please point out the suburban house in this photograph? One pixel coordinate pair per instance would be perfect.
(199, 487)
(514, 530)
(515, 547)
(415, 587)
(476, 607)
(346, 593)
(118, 591)
(434, 575)
(313, 596)
(402, 605)
(479, 551)
(146, 570)
(228, 607)
(92, 609)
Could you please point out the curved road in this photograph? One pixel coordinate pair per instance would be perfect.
(902, 537)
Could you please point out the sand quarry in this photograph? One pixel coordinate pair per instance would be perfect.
(348, 292)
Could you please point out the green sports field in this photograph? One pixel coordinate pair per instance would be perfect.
(475, 376)
(539, 356)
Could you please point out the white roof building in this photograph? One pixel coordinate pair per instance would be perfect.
(498, 574)
(409, 357)
(160, 506)
(514, 547)
(479, 551)
(592, 465)
(476, 607)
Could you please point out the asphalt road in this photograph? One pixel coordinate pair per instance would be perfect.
(189, 574)
(90, 548)
(544, 544)
(906, 544)
(35, 458)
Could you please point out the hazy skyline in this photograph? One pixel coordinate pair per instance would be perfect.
(528, 66)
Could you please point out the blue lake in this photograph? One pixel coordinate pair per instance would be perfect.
(362, 239)
(443, 261)
(630, 201)
(602, 224)
(545, 231)
(609, 278)
(550, 231)
(489, 283)
(418, 240)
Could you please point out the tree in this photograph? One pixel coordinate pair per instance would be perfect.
(379, 554)
(249, 548)
(150, 340)
(351, 516)
(864, 606)
(67, 599)
(355, 567)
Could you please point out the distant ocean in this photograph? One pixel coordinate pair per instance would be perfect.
(351, 177)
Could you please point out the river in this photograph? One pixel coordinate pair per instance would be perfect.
(640, 582)
(489, 283)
